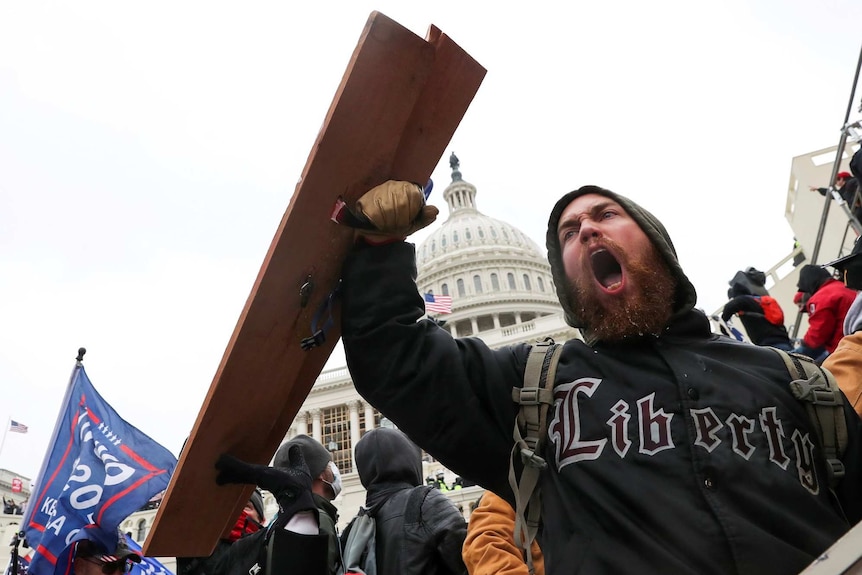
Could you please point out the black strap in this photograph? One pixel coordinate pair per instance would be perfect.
(413, 507)
(318, 335)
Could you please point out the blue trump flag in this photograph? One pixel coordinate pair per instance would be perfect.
(98, 470)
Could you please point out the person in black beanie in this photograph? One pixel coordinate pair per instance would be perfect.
(669, 449)
(325, 486)
(293, 541)
(827, 305)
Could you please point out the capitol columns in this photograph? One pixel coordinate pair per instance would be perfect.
(301, 423)
(369, 416)
(355, 433)
(316, 432)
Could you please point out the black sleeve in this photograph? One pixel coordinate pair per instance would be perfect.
(738, 304)
(856, 164)
(452, 397)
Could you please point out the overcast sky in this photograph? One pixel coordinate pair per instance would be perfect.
(149, 150)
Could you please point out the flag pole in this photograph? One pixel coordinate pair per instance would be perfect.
(37, 486)
(15, 541)
(5, 431)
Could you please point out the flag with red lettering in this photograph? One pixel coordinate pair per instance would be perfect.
(98, 470)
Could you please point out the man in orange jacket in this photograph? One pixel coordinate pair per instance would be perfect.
(489, 548)
(844, 362)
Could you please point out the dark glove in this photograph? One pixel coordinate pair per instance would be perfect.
(395, 209)
(291, 485)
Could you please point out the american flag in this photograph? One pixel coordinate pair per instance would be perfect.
(23, 565)
(438, 303)
(17, 427)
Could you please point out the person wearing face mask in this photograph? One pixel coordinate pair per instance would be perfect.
(325, 486)
(302, 537)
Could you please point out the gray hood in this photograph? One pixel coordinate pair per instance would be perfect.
(685, 296)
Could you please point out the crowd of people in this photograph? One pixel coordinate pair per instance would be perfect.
(651, 420)
(12, 507)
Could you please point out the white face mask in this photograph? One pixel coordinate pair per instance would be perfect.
(336, 480)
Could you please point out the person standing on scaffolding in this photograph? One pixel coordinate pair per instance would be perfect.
(847, 187)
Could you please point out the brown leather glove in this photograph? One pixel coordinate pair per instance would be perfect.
(396, 209)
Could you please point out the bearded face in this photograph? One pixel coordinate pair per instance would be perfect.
(639, 312)
(620, 284)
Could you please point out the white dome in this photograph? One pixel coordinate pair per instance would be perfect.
(497, 277)
(475, 230)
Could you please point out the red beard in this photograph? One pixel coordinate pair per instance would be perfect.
(645, 310)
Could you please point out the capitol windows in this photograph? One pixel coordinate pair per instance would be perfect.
(464, 328)
(433, 246)
(461, 290)
(541, 284)
(364, 425)
(495, 283)
(485, 322)
(455, 237)
(443, 242)
(445, 289)
(494, 233)
(511, 279)
(527, 282)
(142, 530)
(467, 234)
(477, 284)
(481, 233)
(336, 435)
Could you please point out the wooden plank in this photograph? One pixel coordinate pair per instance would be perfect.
(844, 557)
(395, 111)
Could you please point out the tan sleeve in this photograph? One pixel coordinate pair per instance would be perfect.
(845, 363)
(489, 548)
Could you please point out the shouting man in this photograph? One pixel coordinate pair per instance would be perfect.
(671, 449)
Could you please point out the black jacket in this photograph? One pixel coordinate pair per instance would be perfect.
(425, 539)
(759, 329)
(679, 454)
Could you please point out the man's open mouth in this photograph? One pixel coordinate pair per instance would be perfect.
(607, 269)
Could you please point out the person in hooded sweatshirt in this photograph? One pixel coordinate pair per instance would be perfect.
(670, 449)
(426, 541)
(826, 308)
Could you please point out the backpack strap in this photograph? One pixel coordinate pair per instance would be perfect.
(530, 434)
(824, 403)
(413, 507)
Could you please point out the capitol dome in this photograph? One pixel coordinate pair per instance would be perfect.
(498, 278)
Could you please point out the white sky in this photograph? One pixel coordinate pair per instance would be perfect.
(149, 150)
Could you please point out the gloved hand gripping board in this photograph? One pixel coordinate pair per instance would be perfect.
(394, 113)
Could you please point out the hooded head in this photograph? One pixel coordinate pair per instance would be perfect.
(684, 296)
(316, 456)
(811, 277)
(387, 456)
(850, 266)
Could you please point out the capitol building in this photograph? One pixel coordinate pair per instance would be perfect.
(502, 292)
